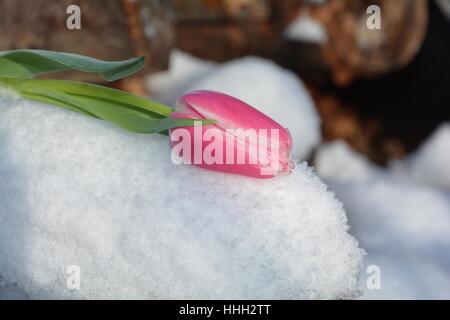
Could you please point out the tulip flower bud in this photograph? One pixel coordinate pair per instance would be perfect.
(243, 140)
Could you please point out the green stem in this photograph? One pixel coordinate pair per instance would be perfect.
(90, 90)
(123, 109)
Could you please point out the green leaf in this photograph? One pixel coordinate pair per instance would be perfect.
(11, 69)
(38, 62)
(123, 109)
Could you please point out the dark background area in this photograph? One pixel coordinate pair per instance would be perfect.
(408, 105)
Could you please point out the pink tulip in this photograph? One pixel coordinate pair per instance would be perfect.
(243, 140)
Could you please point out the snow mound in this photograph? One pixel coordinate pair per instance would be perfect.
(305, 28)
(79, 192)
(184, 70)
(338, 161)
(431, 163)
(276, 92)
(405, 228)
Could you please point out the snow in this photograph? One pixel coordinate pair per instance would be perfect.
(277, 92)
(185, 69)
(445, 7)
(337, 160)
(305, 28)
(404, 227)
(431, 163)
(78, 192)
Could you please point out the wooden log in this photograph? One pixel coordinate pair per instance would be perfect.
(355, 51)
(226, 29)
(222, 42)
(220, 10)
(110, 30)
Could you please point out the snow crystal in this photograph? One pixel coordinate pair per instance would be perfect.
(405, 228)
(305, 28)
(431, 163)
(274, 91)
(78, 192)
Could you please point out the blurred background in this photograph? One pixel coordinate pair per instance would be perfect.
(368, 108)
(382, 91)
